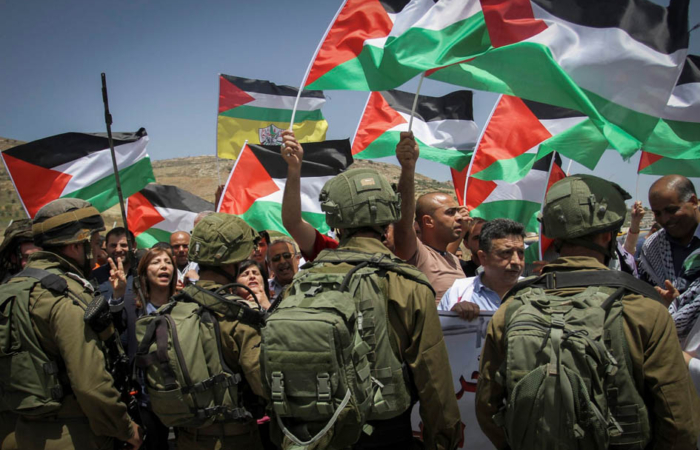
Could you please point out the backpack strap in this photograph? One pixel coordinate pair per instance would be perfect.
(584, 278)
(238, 310)
(47, 279)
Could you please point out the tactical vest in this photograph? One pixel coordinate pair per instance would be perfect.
(568, 370)
(180, 354)
(29, 380)
(328, 359)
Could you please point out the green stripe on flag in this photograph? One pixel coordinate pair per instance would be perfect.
(670, 166)
(272, 114)
(521, 211)
(385, 145)
(152, 236)
(264, 215)
(103, 193)
(675, 139)
(510, 170)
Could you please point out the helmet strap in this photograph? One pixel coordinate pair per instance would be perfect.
(223, 273)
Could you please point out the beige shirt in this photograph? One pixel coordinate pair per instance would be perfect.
(441, 268)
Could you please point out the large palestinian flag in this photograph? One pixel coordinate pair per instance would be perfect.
(370, 41)
(444, 127)
(615, 61)
(78, 165)
(258, 111)
(157, 211)
(256, 184)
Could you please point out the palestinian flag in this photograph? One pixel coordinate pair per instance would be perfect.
(444, 127)
(520, 131)
(256, 184)
(78, 165)
(615, 61)
(157, 211)
(677, 136)
(370, 41)
(258, 111)
(653, 164)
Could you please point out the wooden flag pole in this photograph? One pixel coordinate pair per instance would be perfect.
(415, 101)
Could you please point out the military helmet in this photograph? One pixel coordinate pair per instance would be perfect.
(19, 232)
(359, 198)
(580, 205)
(221, 239)
(66, 221)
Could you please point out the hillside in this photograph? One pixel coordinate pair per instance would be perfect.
(196, 174)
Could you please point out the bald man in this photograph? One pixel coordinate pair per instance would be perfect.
(674, 203)
(440, 220)
(186, 271)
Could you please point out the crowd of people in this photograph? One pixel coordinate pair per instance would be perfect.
(632, 306)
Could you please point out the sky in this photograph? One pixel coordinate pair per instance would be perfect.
(162, 60)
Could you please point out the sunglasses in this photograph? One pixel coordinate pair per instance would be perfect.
(286, 255)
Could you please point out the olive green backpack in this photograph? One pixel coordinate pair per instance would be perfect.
(327, 357)
(187, 380)
(29, 379)
(568, 371)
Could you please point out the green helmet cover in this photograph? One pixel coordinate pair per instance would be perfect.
(220, 239)
(66, 221)
(580, 205)
(359, 198)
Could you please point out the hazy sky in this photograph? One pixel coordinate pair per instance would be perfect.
(162, 60)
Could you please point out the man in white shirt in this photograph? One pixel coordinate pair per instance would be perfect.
(502, 256)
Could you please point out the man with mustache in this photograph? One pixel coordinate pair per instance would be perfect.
(283, 261)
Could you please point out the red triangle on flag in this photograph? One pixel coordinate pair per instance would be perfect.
(141, 214)
(647, 159)
(377, 119)
(231, 96)
(35, 185)
(248, 182)
(510, 21)
(478, 191)
(512, 130)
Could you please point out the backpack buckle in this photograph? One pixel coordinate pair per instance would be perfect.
(550, 280)
(324, 387)
(277, 386)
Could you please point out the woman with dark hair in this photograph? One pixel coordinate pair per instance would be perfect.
(253, 275)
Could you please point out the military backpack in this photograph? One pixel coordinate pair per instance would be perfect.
(180, 355)
(29, 379)
(327, 357)
(568, 371)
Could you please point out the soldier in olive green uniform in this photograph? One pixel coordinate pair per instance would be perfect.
(91, 414)
(219, 242)
(361, 216)
(583, 214)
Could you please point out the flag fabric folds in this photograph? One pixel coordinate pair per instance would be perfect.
(258, 111)
(444, 127)
(256, 184)
(78, 165)
(158, 210)
(617, 62)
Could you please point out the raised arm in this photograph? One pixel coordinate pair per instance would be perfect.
(302, 232)
(637, 214)
(404, 234)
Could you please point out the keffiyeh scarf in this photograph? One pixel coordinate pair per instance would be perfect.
(685, 309)
(656, 260)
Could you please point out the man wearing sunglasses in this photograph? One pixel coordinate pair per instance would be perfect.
(283, 261)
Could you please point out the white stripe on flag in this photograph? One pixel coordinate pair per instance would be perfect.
(175, 220)
(310, 189)
(556, 126)
(447, 134)
(528, 189)
(684, 104)
(285, 102)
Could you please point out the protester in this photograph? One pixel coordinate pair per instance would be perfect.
(261, 245)
(187, 271)
(283, 260)
(675, 205)
(640, 243)
(117, 248)
(471, 242)
(77, 406)
(636, 216)
(440, 219)
(253, 275)
(502, 255)
(654, 403)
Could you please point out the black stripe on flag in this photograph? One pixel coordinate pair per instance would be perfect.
(662, 29)
(544, 111)
(63, 148)
(172, 197)
(394, 6)
(543, 163)
(320, 158)
(691, 71)
(455, 105)
(267, 87)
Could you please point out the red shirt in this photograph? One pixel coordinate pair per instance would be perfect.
(322, 242)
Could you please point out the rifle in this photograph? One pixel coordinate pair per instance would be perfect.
(124, 380)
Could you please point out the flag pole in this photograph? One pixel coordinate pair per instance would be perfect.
(228, 180)
(311, 63)
(216, 148)
(544, 195)
(359, 122)
(568, 168)
(415, 101)
(476, 149)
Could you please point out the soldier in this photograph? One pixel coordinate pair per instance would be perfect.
(16, 248)
(642, 399)
(360, 204)
(219, 243)
(76, 406)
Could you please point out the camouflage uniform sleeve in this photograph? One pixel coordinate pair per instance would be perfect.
(674, 403)
(85, 363)
(426, 355)
(245, 345)
(490, 394)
